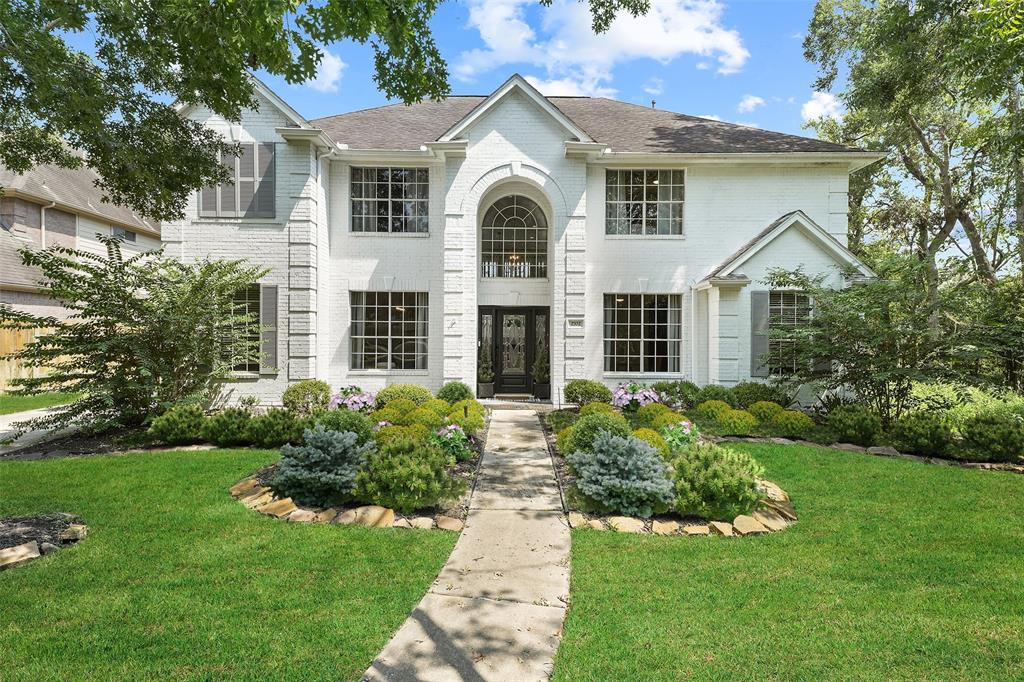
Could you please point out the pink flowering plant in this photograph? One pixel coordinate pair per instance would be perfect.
(353, 398)
(679, 435)
(629, 397)
(454, 441)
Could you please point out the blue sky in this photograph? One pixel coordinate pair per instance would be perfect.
(739, 61)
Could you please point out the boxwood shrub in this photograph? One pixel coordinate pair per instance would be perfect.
(392, 434)
(712, 409)
(747, 393)
(646, 414)
(307, 397)
(346, 421)
(414, 392)
(654, 439)
(735, 423)
(715, 392)
(583, 391)
(586, 430)
(597, 408)
(791, 424)
(454, 391)
(855, 424)
(561, 419)
(764, 410)
(437, 406)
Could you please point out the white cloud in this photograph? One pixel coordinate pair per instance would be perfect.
(749, 103)
(563, 43)
(654, 86)
(712, 117)
(328, 73)
(703, 66)
(821, 104)
(567, 87)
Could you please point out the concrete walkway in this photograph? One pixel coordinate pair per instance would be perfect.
(495, 611)
(7, 430)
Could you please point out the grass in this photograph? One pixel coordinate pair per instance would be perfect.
(177, 581)
(896, 570)
(10, 403)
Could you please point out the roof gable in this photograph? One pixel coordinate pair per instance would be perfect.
(794, 219)
(514, 84)
(286, 110)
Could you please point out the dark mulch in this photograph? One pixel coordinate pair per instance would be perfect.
(82, 445)
(17, 530)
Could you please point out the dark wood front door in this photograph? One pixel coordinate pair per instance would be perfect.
(513, 338)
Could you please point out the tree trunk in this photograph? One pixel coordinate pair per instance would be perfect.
(1016, 167)
(986, 272)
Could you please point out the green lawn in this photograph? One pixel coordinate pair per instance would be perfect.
(897, 570)
(10, 404)
(178, 581)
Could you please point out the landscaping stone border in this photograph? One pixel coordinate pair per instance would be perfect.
(49, 534)
(878, 451)
(774, 513)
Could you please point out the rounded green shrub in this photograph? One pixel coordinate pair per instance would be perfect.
(791, 424)
(922, 433)
(346, 421)
(321, 472)
(473, 406)
(993, 437)
(666, 419)
(560, 419)
(454, 391)
(654, 439)
(227, 427)
(681, 395)
(735, 423)
(646, 414)
(392, 434)
(747, 393)
(179, 425)
(597, 408)
(587, 429)
(715, 392)
(307, 397)
(715, 483)
(764, 410)
(563, 439)
(428, 418)
(622, 475)
(469, 414)
(855, 424)
(274, 428)
(437, 406)
(407, 476)
(583, 391)
(414, 392)
(712, 409)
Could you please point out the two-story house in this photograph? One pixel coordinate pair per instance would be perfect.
(417, 243)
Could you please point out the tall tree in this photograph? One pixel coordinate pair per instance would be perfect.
(112, 102)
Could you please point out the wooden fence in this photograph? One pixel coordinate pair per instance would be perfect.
(12, 340)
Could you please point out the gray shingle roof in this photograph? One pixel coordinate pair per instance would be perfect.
(73, 188)
(622, 126)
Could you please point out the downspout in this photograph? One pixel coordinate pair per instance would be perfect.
(42, 223)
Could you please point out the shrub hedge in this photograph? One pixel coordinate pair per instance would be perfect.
(855, 424)
(307, 397)
(583, 391)
(454, 391)
(414, 392)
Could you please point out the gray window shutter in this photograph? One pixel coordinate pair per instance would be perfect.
(758, 332)
(266, 186)
(268, 323)
(208, 202)
(247, 180)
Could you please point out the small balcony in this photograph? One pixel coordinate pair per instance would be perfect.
(512, 269)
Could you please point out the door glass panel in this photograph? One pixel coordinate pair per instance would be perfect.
(513, 344)
(486, 340)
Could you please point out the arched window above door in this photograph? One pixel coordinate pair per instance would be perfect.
(514, 239)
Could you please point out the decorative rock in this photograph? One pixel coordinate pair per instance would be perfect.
(781, 441)
(577, 520)
(849, 447)
(771, 519)
(748, 525)
(302, 516)
(258, 500)
(626, 524)
(596, 524)
(48, 548)
(326, 516)
(279, 508)
(784, 509)
(401, 523)
(19, 554)
(73, 533)
(885, 450)
(422, 522)
(721, 528)
(244, 486)
(448, 523)
(696, 529)
(346, 517)
(374, 516)
(772, 491)
(665, 527)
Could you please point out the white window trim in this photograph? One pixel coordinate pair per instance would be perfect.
(643, 374)
(386, 164)
(634, 167)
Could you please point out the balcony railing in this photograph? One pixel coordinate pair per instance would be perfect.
(494, 270)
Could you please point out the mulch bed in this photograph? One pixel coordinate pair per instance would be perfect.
(17, 530)
(82, 445)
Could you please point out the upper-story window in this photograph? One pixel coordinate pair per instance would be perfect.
(123, 234)
(514, 239)
(390, 200)
(644, 202)
(252, 190)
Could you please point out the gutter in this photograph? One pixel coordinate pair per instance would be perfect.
(42, 223)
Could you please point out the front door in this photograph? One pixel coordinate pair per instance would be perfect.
(514, 338)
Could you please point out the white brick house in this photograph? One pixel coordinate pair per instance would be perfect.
(405, 243)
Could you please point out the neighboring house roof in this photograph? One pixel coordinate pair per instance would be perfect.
(12, 272)
(73, 190)
(621, 126)
(726, 269)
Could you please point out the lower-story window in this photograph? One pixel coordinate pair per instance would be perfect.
(389, 330)
(246, 304)
(642, 332)
(786, 310)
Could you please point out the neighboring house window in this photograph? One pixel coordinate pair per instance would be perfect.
(390, 200)
(247, 302)
(514, 239)
(252, 190)
(389, 330)
(642, 332)
(124, 235)
(786, 310)
(644, 202)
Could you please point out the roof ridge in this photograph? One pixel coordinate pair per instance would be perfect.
(393, 104)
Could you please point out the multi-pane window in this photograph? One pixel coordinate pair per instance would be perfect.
(642, 332)
(246, 304)
(514, 239)
(390, 200)
(786, 310)
(123, 234)
(644, 202)
(250, 193)
(389, 330)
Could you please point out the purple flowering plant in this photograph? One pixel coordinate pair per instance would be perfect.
(454, 441)
(629, 397)
(356, 402)
(679, 435)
